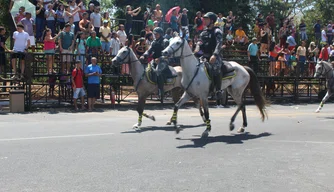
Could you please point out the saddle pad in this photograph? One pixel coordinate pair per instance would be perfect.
(151, 75)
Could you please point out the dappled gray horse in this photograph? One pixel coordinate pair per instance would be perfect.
(325, 69)
(196, 83)
(141, 82)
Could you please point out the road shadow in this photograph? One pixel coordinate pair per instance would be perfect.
(228, 139)
(163, 128)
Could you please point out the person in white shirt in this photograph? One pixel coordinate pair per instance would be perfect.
(122, 35)
(21, 45)
(74, 9)
(95, 18)
(114, 44)
(323, 35)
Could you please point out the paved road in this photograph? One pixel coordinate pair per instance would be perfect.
(292, 151)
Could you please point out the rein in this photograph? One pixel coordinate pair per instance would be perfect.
(182, 57)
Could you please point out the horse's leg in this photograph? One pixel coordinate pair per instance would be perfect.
(176, 97)
(233, 117)
(199, 106)
(185, 97)
(327, 96)
(140, 110)
(207, 119)
(244, 118)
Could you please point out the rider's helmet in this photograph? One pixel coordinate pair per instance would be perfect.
(212, 16)
(158, 30)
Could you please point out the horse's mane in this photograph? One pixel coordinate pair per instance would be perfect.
(327, 63)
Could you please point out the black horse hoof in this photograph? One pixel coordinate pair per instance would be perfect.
(231, 127)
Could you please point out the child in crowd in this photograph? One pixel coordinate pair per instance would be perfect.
(77, 85)
(280, 65)
(229, 38)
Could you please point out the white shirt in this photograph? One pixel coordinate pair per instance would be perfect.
(122, 36)
(50, 18)
(114, 45)
(95, 18)
(21, 40)
(76, 17)
(323, 36)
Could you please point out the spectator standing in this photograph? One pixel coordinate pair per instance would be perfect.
(324, 54)
(121, 35)
(229, 38)
(105, 34)
(66, 43)
(302, 31)
(49, 48)
(95, 18)
(283, 35)
(50, 16)
(114, 44)
(21, 45)
(173, 21)
(3, 48)
(74, 10)
(158, 14)
(93, 72)
(93, 46)
(85, 25)
(301, 57)
(185, 22)
(68, 13)
(72, 24)
(90, 10)
(77, 85)
(28, 24)
(47, 3)
(81, 48)
(324, 37)
(317, 32)
(270, 19)
(253, 55)
(106, 16)
(265, 36)
(273, 53)
(312, 57)
(230, 19)
(40, 20)
(199, 23)
(60, 18)
(220, 22)
(329, 32)
(20, 15)
(129, 16)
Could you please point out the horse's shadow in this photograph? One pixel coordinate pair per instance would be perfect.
(228, 139)
(163, 128)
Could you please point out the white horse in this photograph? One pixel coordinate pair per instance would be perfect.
(196, 84)
(325, 69)
(143, 86)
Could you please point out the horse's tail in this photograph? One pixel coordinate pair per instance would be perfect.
(255, 88)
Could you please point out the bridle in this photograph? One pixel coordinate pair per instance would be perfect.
(180, 47)
(323, 71)
(122, 60)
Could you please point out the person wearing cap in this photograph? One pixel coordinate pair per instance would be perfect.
(157, 46)
(185, 21)
(105, 34)
(21, 45)
(253, 55)
(28, 24)
(210, 42)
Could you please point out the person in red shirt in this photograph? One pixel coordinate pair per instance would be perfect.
(324, 55)
(77, 84)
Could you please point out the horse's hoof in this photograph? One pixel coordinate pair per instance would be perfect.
(168, 123)
(177, 130)
(317, 111)
(136, 128)
(152, 118)
(205, 134)
(241, 130)
(231, 127)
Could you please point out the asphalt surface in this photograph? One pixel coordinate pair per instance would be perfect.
(291, 151)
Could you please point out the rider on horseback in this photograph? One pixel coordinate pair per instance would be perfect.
(157, 46)
(210, 43)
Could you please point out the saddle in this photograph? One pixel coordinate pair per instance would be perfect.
(226, 70)
(153, 72)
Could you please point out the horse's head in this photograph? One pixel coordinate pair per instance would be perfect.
(321, 69)
(123, 56)
(175, 47)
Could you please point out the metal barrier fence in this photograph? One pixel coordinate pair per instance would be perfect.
(41, 86)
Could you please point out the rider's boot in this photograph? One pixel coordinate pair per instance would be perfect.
(218, 83)
(161, 81)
